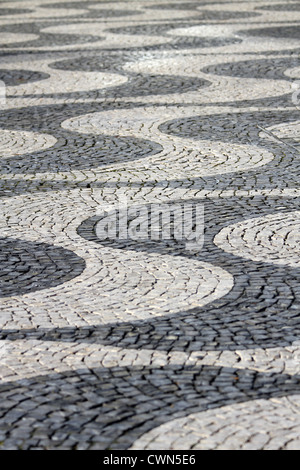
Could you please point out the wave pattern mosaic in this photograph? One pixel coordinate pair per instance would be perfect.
(112, 108)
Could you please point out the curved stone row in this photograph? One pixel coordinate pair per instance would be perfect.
(248, 316)
(122, 343)
(28, 267)
(259, 425)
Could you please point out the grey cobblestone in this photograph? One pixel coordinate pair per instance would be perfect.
(144, 344)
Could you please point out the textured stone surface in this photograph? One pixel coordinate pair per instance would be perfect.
(127, 343)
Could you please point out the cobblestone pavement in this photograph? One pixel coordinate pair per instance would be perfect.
(129, 343)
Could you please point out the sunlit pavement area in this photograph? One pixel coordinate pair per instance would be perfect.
(114, 109)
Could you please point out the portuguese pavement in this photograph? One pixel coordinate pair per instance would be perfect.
(122, 343)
